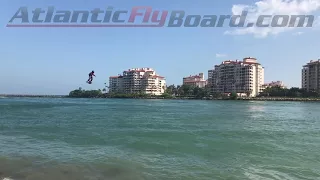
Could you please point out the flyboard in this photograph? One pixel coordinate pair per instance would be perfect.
(89, 82)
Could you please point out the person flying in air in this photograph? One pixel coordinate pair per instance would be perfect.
(91, 74)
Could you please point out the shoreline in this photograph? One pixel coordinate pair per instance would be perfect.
(33, 96)
(279, 99)
(238, 99)
(172, 98)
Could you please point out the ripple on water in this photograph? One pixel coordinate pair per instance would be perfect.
(158, 139)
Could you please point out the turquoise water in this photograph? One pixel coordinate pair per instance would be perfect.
(114, 139)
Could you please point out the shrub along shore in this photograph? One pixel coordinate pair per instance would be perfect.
(194, 93)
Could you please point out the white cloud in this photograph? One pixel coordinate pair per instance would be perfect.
(272, 7)
(221, 55)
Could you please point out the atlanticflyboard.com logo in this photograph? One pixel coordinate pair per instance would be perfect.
(144, 16)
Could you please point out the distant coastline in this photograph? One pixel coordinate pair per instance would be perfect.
(228, 99)
(33, 96)
(278, 99)
(105, 96)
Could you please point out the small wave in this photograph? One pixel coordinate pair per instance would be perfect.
(273, 174)
(40, 169)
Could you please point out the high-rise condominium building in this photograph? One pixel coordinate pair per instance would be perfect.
(243, 77)
(138, 80)
(311, 76)
(196, 80)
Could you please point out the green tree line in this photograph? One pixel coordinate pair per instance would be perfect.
(187, 91)
(196, 92)
(292, 92)
(80, 93)
(172, 91)
(192, 92)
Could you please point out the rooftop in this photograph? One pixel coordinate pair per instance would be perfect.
(139, 70)
(245, 62)
(314, 61)
(196, 76)
(156, 76)
(193, 81)
(200, 75)
(115, 77)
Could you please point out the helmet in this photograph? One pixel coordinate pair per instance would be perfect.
(92, 71)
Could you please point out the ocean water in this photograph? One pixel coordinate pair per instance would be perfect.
(127, 139)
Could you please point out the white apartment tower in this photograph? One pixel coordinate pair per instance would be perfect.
(138, 80)
(246, 77)
(311, 76)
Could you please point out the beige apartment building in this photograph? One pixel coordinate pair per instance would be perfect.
(138, 80)
(246, 77)
(274, 84)
(116, 84)
(195, 80)
(311, 76)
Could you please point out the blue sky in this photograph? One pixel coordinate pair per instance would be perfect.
(58, 60)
